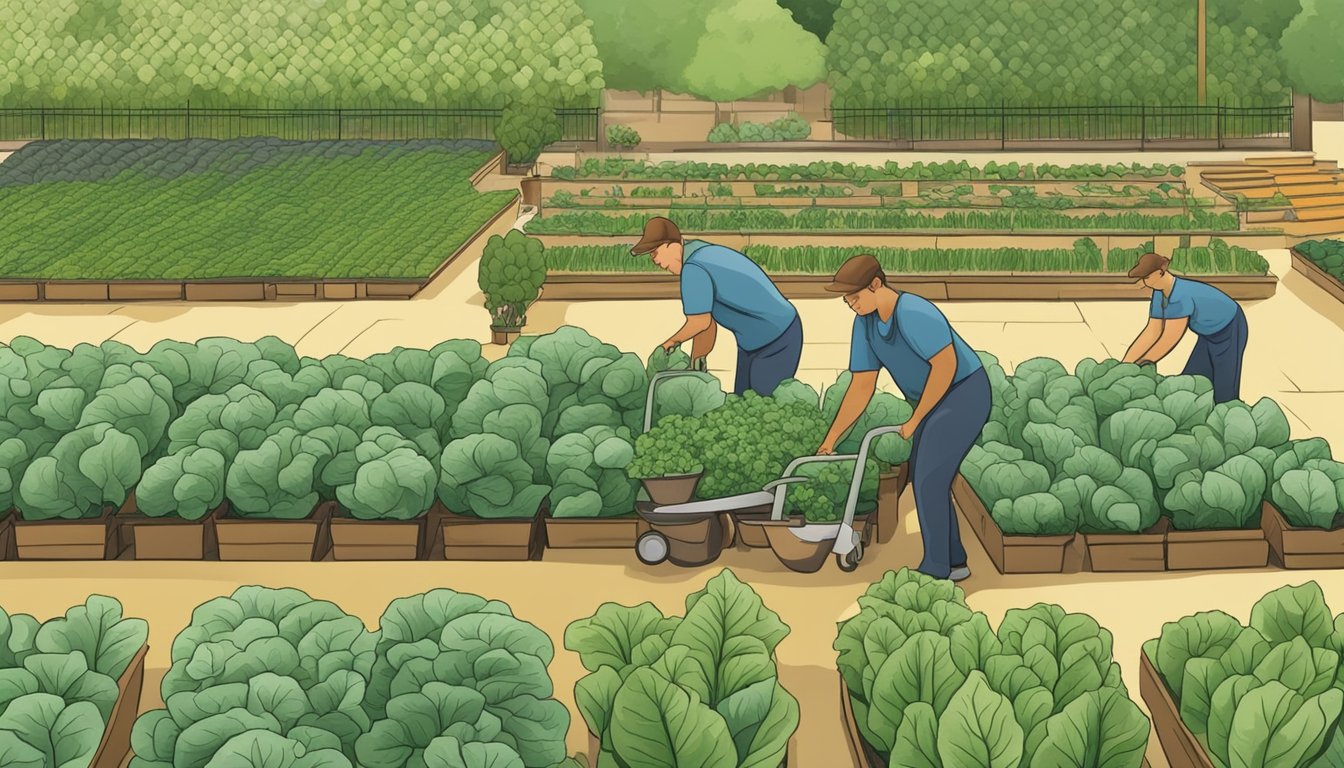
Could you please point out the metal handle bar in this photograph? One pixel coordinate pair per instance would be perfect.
(653, 386)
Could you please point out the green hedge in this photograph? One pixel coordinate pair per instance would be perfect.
(201, 209)
(887, 52)
(239, 53)
(621, 168)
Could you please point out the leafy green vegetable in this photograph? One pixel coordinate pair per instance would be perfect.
(701, 690)
(587, 471)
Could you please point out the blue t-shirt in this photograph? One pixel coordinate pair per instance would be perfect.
(1209, 309)
(736, 292)
(905, 344)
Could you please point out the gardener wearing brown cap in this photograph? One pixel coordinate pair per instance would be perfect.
(720, 286)
(939, 373)
(1180, 303)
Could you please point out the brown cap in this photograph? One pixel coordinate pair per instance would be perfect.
(856, 274)
(658, 231)
(1148, 264)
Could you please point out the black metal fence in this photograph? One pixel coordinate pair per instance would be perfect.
(106, 123)
(1214, 124)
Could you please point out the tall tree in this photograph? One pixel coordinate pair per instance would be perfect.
(753, 46)
(715, 49)
(816, 16)
(1312, 57)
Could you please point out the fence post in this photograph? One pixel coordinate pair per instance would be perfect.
(338, 123)
(1143, 125)
(1220, 123)
(1003, 124)
(188, 118)
(42, 122)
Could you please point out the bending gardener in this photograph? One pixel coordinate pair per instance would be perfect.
(938, 372)
(720, 286)
(1180, 303)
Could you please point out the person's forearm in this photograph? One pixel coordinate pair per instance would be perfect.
(940, 380)
(703, 343)
(852, 406)
(693, 327)
(1163, 346)
(1141, 347)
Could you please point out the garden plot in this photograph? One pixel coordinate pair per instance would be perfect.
(153, 215)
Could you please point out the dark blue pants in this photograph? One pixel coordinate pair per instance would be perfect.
(761, 370)
(1217, 357)
(940, 445)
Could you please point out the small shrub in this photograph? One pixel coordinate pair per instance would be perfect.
(622, 136)
(524, 130)
(723, 133)
(511, 274)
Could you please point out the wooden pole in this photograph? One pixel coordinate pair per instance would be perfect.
(1202, 45)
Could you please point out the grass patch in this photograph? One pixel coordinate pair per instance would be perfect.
(860, 220)
(200, 210)
(1084, 258)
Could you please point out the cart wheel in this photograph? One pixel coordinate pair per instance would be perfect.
(849, 562)
(651, 548)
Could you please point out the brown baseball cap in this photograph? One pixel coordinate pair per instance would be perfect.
(658, 231)
(1148, 264)
(856, 274)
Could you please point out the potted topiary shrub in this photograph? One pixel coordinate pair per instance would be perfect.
(511, 274)
(622, 137)
(524, 130)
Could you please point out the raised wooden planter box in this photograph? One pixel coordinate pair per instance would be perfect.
(1183, 750)
(1322, 279)
(1011, 554)
(97, 538)
(1301, 547)
(276, 540)
(169, 538)
(463, 537)
(593, 532)
(1216, 550)
(1128, 552)
(115, 746)
(967, 286)
(7, 535)
(354, 539)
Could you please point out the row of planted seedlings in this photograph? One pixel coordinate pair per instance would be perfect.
(1118, 468)
(931, 196)
(246, 451)
(1322, 262)
(454, 679)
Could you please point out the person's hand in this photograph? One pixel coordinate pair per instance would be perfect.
(826, 449)
(1145, 362)
(669, 345)
(908, 430)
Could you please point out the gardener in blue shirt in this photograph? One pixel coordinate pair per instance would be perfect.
(1180, 303)
(936, 371)
(720, 286)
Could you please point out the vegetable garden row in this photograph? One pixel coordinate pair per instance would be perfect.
(274, 457)
(271, 678)
(420, 453)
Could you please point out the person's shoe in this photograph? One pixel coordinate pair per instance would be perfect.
(960, 573)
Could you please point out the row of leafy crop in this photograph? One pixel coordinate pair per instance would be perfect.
(1267, 694)
(1114, 447)
(262, 217)
(624, 168)
(1326, 254)
(193, 425)
(1218, 258)
(60, 681)
(744, 219)
(930, 683)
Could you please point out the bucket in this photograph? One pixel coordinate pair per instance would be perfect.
(677, 489)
